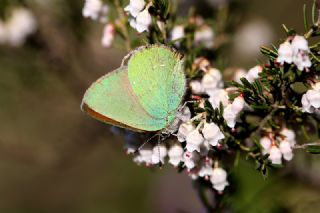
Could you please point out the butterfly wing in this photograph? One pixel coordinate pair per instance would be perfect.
(158, 80)
(111, 99)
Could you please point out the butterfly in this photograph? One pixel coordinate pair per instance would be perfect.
(143, 96)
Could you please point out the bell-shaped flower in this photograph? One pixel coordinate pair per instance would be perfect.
(285, 53)
(196, 87)
(211, 80)
(191, 159)
(289, 136)
(175, 154)
(194, 140)
(144, 156)
(159, 153)
(108, 35)
(300, 52)
(275, 155)
(238, 104)
(184, 130)
(230, 116)
(212, 133)
(219, 179)
(204, 36)
(135, 7)
(177, 33)
(142, 21)
(253, 73)
(286, 150)
(266, 143)
(217, 96)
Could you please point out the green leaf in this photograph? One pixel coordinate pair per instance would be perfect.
(313, 149)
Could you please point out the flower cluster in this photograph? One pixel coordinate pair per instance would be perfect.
(295, 50)
(203, 36)
(18, 27)
(139, 11)
(279, 146)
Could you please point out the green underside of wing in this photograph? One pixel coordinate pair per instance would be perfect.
(112, 97)
(157, 78)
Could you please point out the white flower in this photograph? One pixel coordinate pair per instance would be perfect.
(20, 24)
(211, 80)
(311, 99)
(285, 53)
(190, 159)
(239, 73)
(266, 144)
(196, 87)
(219, 179)
(108, 35)
(194, 140)
(217, 96)
(177, 33)
(94, 9)
(300, 52)
(144, 156)
(253, 73)
(142, 21)
(230, 116)
(212, 133)
(135, 7)
(158, 154)
(238, 104)
(184, 130)
(286, 150)
(299, 43)
(275, 155)
(175, 154)
(289, 136)
(204, 36)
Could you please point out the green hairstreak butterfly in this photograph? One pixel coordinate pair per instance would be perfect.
(143, 96)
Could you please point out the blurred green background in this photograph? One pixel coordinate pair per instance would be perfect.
(54, 158)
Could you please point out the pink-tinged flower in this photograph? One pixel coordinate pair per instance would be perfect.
(275, 155)
(286, 150)
(177, 33)
(108, 35)
(300, 52)
(191, 159)
(266, 143)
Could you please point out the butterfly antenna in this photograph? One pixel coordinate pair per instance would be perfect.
(160, 163)
(142, 145)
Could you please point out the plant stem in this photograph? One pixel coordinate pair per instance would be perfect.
(303, 146)
(122, 24)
